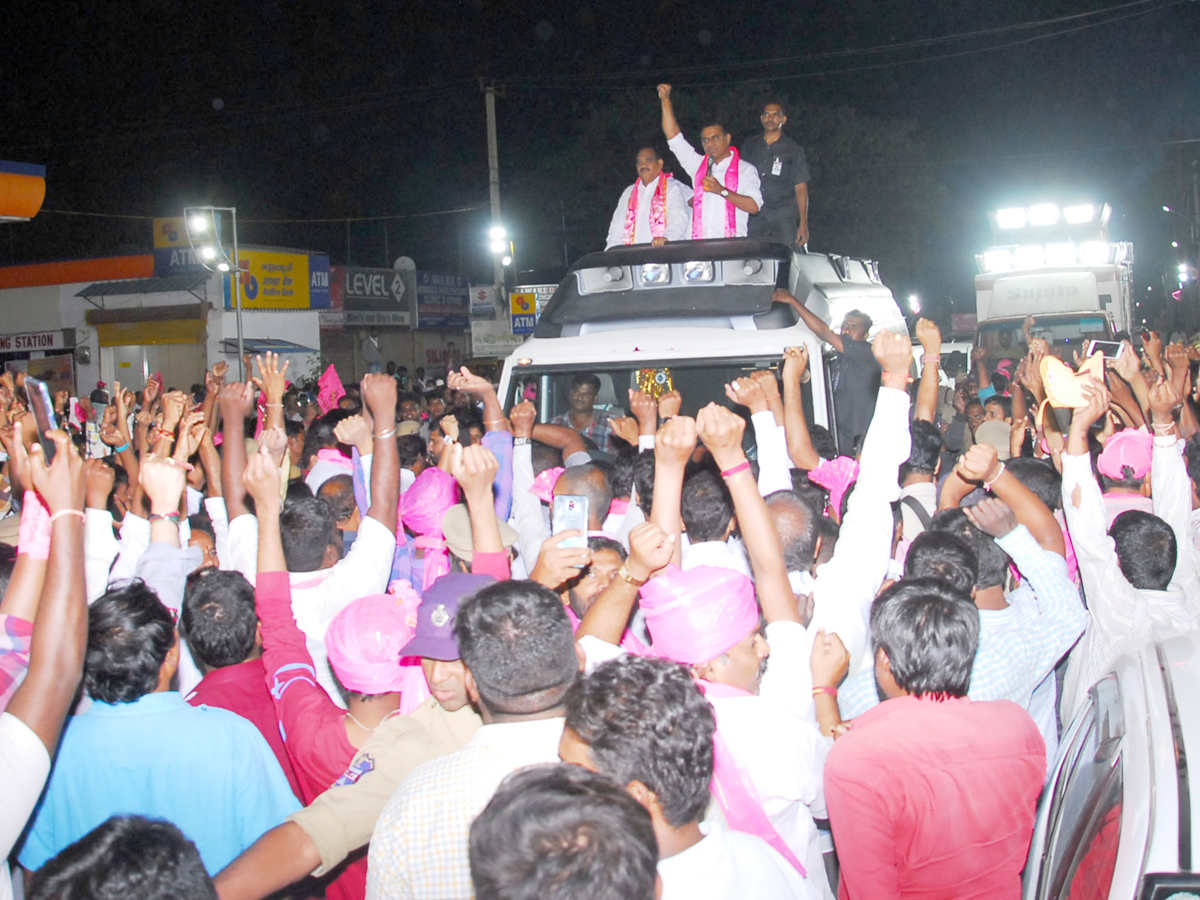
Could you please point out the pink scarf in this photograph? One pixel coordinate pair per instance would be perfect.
(337, 457)
(731, 184)
(735, 791)
(658, 210)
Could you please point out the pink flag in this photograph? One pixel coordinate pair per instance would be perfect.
(330, 389)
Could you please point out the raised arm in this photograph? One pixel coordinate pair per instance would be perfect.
(650, 550)
(272, 381)
(474, 468)
(812, 321)
(673, 448)
(379, 395)
(799, 439)
(981, 464)
(237, 400)
(721, 430)
(561, 438)
(483, 391)
(931, 358)
(669, 126)
(60, 633)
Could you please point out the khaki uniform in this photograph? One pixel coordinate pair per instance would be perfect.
(341, 820)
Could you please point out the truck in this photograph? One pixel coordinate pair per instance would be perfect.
(693, 315)
(1058, 265)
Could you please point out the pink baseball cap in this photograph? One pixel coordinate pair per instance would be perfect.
(364, 641)
(696, 615)
(1129, 448)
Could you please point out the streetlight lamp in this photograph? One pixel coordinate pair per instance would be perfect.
(203, 225)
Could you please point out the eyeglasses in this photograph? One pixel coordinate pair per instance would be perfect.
(715, 139)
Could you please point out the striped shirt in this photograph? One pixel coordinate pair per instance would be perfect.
(16, 636)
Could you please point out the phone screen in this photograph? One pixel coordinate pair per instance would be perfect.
(570, 513)
(1110, 349)
(42, 408)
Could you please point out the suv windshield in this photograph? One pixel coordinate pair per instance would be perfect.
(698, 381)
(1004, 338)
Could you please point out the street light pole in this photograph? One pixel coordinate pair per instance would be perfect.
(203, 228)
(489, 95)
(235, 278)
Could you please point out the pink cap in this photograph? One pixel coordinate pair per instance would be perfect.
(1129, 448)
(364, 641)
(696, 615)
(424, 504)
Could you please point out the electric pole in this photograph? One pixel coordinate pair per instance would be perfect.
(489, 95)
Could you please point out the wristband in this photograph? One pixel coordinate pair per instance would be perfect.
(163, 433)
(520, 441)
(275, 405)
(825, 689)
(931, 357)
(743, 466)
(122, 448)
(171, 516)
(623, 574)
(897, 376)
(384, 435)
(1162, 427)
(68, 512)
(987, 485)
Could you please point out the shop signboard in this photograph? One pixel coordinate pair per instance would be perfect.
(523, 307)
(386, 292)
(173, 254)
(443, 302)
(281, 279)
(492, 338)
(38, 340)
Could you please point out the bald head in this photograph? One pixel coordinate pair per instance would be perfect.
(588, 481)
(796, 523)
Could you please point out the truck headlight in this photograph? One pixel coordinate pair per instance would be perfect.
(999, 260)
(656, 273)
(700, 270)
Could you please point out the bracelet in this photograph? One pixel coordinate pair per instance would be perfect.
(122, 448)
(825, 689)
(743, 466)
(171, 516)
(163, 433)
(897, 376)
(623, 574)
(494, 422)
(384, 435)
(275, 405)
(68, 512)
(987, 485)
(1162, 427)
(931, 357)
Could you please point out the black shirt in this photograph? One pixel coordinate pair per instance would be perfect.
(781, 166)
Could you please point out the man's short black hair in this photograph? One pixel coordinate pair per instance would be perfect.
(706, 508)
(320, 434)
(930, 633)
(599, 544)
(620, 473)
(798, 528)
(561, 832)
(218, 617)
(8, 561)
(1146, 549)
(861, 316)
(130, 634)
(645, 720)
(945, 556)
(822, 441)
(583, 378)
(643, 480)
(715, 122)
(591, 481)
(125, 858)
(200, 522)
(654, 147)
(516, 640)
(926, 449)
(773, 102)
(407, 397)
(992, 561)
(410, 448)
(307, 527)
(1191, 456)
(338, 492)
(1040, 476)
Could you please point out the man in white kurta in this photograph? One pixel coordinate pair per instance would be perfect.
(727, 188)
(658, 213)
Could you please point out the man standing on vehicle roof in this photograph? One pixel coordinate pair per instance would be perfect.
(654, 209)
(783, 171)
(727, 187)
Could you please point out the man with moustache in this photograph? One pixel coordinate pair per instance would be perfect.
(783, 172)
(652, 210)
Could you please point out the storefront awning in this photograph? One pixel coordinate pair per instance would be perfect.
(186, 282)
(262, 345)
(22, 190)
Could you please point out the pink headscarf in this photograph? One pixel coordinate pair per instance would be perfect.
(422, 507)
(697, 615)
(836, 475)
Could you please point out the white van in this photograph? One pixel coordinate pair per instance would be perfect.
(698, 311)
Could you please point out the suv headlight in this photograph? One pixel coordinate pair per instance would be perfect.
(656, 273)
(698, 271)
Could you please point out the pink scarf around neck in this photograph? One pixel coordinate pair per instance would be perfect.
(731, 184)
(658, 210)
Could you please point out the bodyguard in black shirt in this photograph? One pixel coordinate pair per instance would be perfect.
(783, 172)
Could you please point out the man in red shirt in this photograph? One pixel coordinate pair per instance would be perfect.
(931, 794)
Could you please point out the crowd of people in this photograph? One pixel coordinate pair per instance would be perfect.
(262, 640)
(760, 191)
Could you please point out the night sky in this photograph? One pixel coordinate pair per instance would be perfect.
(917, 117)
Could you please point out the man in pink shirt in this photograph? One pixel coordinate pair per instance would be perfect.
(931, 794)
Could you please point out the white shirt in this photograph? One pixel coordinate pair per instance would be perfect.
(714, 204)
(319, 596)
(419, 847)
(678, 214)
(725, 554)
(731, 864)
(24, 768)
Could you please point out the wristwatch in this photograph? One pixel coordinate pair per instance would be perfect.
(623, 574)
(520, 441)
(724, 192)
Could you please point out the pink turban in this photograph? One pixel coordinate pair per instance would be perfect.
(543, 485)
(836, 475)
(697, 615)
(364, 642)
(422, 508)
